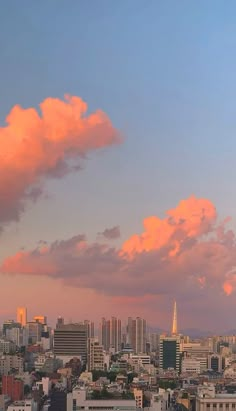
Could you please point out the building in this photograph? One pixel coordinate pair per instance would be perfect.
(95, 355)
(9, 363)
(8, 325)
(21, 316)
(215, 362)
(12, 387)
(191, 366)
(18, 335)
(40, 319)
(80, 400)
(169, 353)
(33, 331)
(90, 328)
(136, 334)
(26, 405)
(7, 347)
(110, 334)
(208, 400)
(70, 340)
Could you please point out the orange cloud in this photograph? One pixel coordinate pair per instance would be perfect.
(36, 146)
(228, 288)
(191, 218)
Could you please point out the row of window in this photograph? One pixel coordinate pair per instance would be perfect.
(221, 405)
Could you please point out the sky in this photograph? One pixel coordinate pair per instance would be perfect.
(117, 149)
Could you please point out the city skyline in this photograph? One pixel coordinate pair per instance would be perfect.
(117, 158)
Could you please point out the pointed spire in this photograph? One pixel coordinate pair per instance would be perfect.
(174, 324)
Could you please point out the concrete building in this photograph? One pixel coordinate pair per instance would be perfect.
(169, 353)
(208, 400)
(136, 334)
(21, 316)
(11, 362)
(95, 355)
(70, 340)
(110, 334)
(79, 399)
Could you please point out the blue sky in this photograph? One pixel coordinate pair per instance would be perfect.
(163, 71)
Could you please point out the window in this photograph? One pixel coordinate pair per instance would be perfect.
(208, 405)
(226, 405)
(233, 405)
(214, 405)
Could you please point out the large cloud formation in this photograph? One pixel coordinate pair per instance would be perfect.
(50, 144)
(185, 253)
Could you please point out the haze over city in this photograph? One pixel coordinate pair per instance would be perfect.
(117, 161)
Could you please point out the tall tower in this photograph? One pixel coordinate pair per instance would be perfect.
(21, 316)
(174, 324)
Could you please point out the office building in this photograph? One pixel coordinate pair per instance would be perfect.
(169, 353)
(95, 355)
(21, 316)
(70, 340)
(136, 334)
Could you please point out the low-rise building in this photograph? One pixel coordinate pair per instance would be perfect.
(208, 400)
(79, 399)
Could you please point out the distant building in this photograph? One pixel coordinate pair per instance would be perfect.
(169, 353)
(110, 334)
(34, 331)
(70, 340)
(136, 333)
(21, 315)
(40, 319)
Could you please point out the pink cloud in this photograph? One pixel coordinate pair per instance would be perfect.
(203, 261)
(50, 144)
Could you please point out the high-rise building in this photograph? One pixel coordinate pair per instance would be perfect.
(90, 328)
(95, 355)
(21, 315)
(70, 340)
(34, 332)
(110, 334)
(174, 323)
(136, 334)
(169, 353)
